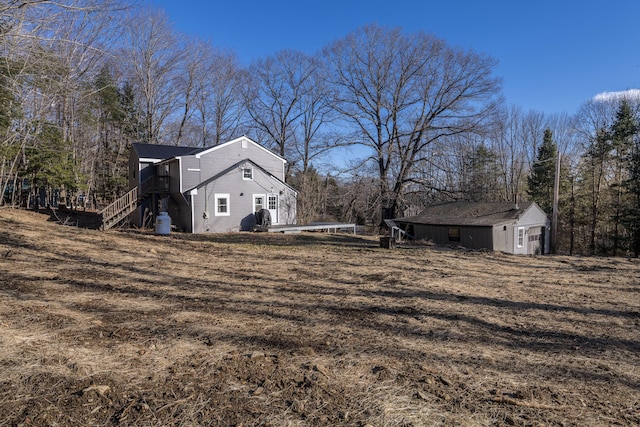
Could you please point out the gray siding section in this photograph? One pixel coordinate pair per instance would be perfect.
(174, 176)
(191, 172)
(134, 180)
(287, 208)
(532, 220)
(240, 191)
(180, 213)
(177, 205)
(222, 157)
(138, 173)
(503, 238)
(470, 237)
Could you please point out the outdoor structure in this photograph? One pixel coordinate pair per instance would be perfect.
(214, 189)
(521, 228)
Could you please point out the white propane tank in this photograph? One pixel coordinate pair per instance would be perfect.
(163, 223)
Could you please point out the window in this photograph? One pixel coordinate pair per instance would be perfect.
(521, 237)
(272, 202)
(454, 234)
(222, 205)
(258, 203)
(247, 174)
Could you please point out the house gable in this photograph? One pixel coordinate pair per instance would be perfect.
(215, 159)
(240, 166)
(239, 192)
(243, 141)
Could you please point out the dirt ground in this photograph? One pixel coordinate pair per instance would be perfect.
(256, 329)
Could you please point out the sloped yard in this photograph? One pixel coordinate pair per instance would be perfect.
(129, 328)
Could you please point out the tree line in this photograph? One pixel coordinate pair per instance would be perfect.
(377, 124)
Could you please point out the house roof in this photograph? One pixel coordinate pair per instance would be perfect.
(482, 214)
(234, 141)
(165, 152)
(161, 152)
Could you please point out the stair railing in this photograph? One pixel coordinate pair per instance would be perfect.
(120, 208)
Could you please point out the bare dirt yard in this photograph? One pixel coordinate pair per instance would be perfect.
(255, 329)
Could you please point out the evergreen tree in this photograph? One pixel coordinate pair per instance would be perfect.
(50, 164)
(117, 124)
(632, 213)
(482, 171)
(626, 150)
(542, 177)
(592, 175)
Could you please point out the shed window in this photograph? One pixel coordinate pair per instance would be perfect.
(247, 174)
(521, 237)
(454, 234)
(222, 205)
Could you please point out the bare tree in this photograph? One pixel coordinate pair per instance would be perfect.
(272, 93)
(219, 99)
(405, 92)
(152, 58)
(50, 51)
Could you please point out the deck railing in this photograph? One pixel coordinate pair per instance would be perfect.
(119, 209)
(155, 184)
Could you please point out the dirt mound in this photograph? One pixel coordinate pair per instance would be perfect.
(130, 328)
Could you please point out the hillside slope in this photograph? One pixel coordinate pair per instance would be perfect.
(129, 328)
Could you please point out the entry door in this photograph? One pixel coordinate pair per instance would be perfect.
(267, 201)
(272, 204)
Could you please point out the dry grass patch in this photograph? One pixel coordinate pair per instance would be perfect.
(129, 328)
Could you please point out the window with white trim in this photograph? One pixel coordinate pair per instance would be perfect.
(247, 174)
(222, 205)
(521, 237)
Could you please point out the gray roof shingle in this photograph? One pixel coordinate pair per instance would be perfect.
(161, 152)
(468, 213)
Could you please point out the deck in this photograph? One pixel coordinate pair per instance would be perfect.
(329, 227)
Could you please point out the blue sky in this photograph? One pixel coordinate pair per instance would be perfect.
(553, 55)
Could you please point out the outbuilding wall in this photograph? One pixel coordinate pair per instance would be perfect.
(470, 237)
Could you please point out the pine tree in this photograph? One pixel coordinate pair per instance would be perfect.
(541, 180)
(626, 186)
(482, 169)
(632, 213)
(116, 122)
(50, 164)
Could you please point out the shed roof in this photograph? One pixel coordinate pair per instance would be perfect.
(161, 152)
(481, 214)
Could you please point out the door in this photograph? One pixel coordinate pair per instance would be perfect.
(258, 202)
(272, 204)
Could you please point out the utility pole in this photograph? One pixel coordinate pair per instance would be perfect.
(554, 217)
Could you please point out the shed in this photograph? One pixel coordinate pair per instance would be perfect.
(516, 228)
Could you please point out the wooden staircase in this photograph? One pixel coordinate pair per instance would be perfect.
(119, 209)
